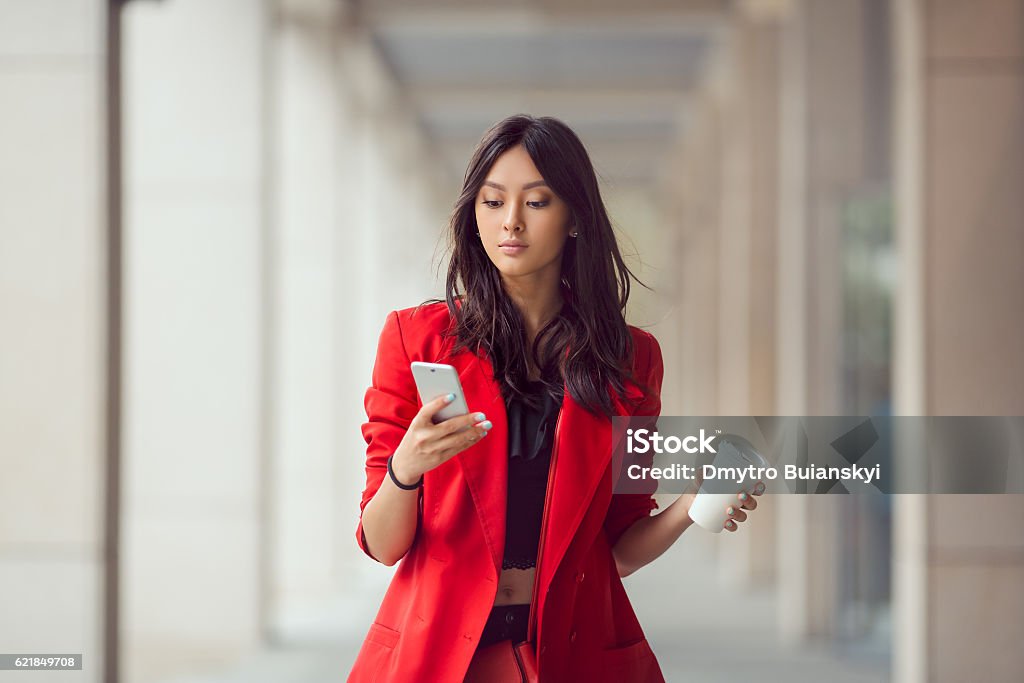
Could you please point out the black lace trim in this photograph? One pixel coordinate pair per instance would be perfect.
(518, 563)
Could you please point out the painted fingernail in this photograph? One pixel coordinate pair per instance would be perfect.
(760, 489)
(449, 398)
(731, 510)
(730, 524)
(744, 496)
(485, 425)
(481, 416)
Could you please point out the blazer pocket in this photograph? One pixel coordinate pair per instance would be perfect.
(376, 650)
(634, 663)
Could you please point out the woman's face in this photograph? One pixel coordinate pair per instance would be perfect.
(514, 204)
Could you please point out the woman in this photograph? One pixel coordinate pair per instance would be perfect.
(504, 519)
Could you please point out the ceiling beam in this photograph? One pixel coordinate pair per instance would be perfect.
(583, 96)
(470, 104)
(666, 17)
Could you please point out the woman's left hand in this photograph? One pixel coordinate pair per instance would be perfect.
(744, 501)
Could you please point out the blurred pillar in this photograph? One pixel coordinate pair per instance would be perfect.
(305, 340)
(58, 412)
(734, 231)
(699, 258)
(720, 197)
(959, 150)
(196, 288)
(759, 45)
(747, 260)
(822, 138)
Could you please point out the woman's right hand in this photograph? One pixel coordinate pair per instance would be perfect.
(427, 445)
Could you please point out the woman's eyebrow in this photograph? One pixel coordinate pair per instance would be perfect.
(527, 186)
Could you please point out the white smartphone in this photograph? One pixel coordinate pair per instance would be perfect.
(438, 379)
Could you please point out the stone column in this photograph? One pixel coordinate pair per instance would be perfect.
(822, 138)
(747, 262)
(959, 150)
(56, 431)
(698, 257)
(306, 343)
(196, 289)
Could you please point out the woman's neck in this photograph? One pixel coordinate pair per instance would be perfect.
(538, 299)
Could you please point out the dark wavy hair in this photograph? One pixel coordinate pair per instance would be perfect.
(594, 278)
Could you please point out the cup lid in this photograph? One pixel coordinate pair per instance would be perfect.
(744, 449)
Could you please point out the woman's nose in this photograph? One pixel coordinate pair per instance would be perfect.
(512, 219)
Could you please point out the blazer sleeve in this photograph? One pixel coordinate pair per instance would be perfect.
(626, 509)
(391, 403)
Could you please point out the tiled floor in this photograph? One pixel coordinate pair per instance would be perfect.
(699, 630)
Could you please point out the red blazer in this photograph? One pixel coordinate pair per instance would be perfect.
(434, 610)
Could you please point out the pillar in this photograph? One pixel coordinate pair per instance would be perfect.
(58, 554)
(959, 151)
(196, 289)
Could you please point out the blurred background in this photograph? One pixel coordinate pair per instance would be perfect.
(208, 207)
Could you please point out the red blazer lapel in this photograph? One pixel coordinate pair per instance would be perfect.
(583, 443)
(485, 464)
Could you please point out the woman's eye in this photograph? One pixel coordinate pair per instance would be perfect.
(491, 203)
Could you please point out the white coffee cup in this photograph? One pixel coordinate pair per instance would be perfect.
(709, 508)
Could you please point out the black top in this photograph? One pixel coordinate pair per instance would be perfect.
(531, 431)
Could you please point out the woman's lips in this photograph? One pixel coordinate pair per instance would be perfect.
(512, 250)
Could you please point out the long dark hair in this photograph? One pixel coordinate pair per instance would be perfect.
(594, 278)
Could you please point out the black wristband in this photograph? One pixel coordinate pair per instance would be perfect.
(405, 487)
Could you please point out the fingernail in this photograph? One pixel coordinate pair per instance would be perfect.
(730, 524)
(485, 425)
(481, 416)
(760, 488)
(731, 510)
(449, 398)
(744, 496)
